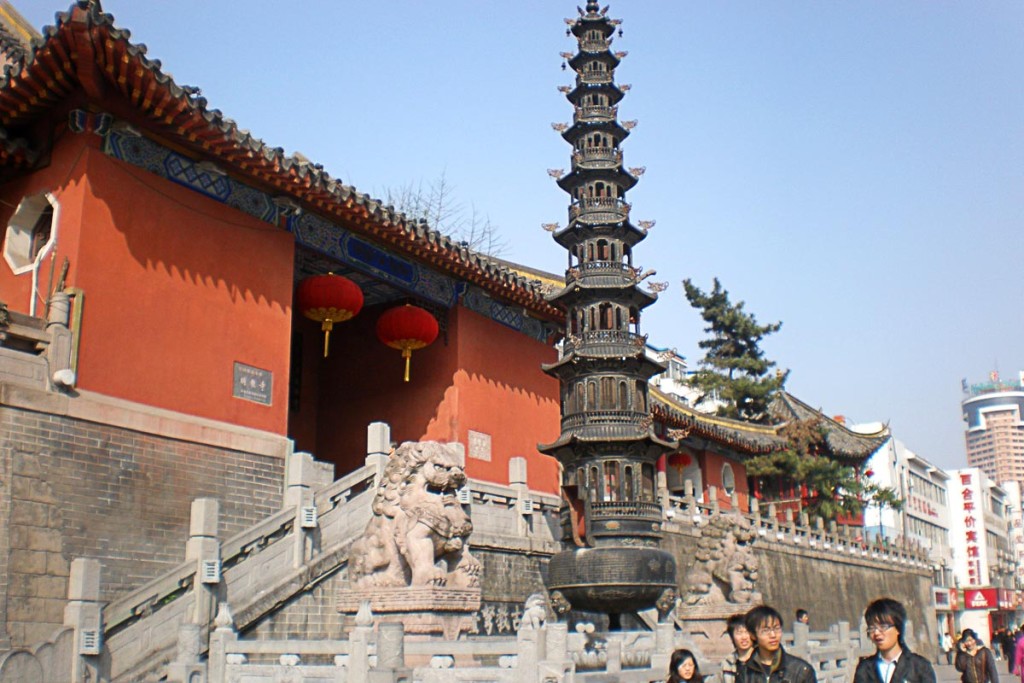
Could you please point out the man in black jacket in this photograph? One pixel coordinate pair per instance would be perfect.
(893, 662)
(770, 663)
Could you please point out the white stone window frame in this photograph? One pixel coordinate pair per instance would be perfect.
(18, 235)
(728, 479)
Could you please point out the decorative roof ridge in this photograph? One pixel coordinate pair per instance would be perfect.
(300, 174)
(727, 422)
(832, 423)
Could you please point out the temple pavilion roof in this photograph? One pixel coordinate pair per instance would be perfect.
(748, 438)
(86, 52)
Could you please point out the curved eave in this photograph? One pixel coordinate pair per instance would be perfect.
(85, 50)
(843, 443)
(581, 128)
(583, 89)
(624, 179)
(578, 291)
(741, 436)
(607, 56)
(568, 440)
(624, 230)
(590, 22)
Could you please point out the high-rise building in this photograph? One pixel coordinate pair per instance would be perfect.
(995, 430)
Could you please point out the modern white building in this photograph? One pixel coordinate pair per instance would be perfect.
(995, 428)
(983, 563)
(924, 518)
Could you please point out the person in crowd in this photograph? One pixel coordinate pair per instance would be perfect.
(1014, 640)
(1017, 656)
(770, 663)
(974, 661)
(743, 647)
(946, 646)
(893, 662)
(682, 668)
(803, 616)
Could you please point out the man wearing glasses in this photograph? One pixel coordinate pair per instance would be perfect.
(893, 662)
(770, 663)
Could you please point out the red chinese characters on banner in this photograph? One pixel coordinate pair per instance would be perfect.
(971, 535)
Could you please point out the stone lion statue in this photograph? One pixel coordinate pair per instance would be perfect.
(726, 569)
(419, 532)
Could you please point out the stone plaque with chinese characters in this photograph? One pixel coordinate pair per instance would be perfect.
(253, 384)
(479, 445)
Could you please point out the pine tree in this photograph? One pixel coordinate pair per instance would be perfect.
(734, 369)
(835, 489)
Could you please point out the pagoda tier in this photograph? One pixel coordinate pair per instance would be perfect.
(611, 520)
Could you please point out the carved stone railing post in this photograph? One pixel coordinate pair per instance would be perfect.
(223, 636)
(186, 667)
(390, 654)
(299, 495)
(529, 642)
(359, 645)
(378, 445)
(614, 652)
(204, 548)
(800, 633)
(713, 499)
(84, 613)
(556, 642)
(517, 479)
(664, 636)
(58, 351)
(663, 492)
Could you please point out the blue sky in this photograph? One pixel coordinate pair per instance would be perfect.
(854, 169)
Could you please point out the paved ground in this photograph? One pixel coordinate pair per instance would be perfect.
(945, 673)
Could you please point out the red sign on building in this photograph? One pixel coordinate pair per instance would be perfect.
(980, 598)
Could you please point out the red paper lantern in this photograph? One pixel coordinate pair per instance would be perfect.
(407, 328)
(329, 299)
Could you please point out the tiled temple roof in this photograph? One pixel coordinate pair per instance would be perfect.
(86, 50)
(754, 439)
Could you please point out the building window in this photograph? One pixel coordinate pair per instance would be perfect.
(31, 232)
(728, 479)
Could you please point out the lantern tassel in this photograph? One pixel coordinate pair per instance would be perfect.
(327, 327)
(407, 355)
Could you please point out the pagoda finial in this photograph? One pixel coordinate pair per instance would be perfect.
(593, 7)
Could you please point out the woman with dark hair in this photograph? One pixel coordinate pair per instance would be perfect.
(974, 661)
(893, 662)
(683, 668)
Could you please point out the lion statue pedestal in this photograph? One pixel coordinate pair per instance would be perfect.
(412, 562)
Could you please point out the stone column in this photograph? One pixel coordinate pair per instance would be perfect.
(378, 445)
(58, 351)
(390, 654)
(85, 614)
(302, 479)
(517, 479)
(220, 640)
(203, 547)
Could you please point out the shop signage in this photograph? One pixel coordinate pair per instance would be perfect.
(980, 598)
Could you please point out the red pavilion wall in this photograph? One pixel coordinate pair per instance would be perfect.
(485, 377)
(177, 287)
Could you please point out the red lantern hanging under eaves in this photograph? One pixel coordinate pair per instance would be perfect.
(407, 328)
(329, 299)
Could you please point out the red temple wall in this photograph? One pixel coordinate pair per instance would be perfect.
(502, 392)
(177, 287)
(486, 378)
(64, 178)
(711, 467)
